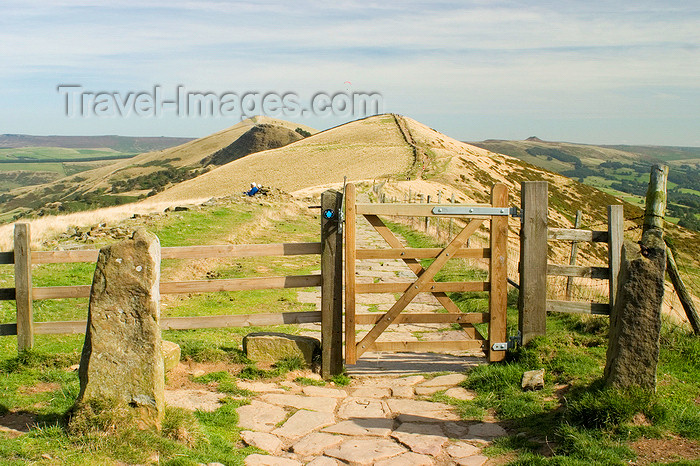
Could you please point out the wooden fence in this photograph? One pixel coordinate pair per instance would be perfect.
(534, 268)
(330, 316)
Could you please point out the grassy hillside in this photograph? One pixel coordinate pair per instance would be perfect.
(619, 170)
(140, 176)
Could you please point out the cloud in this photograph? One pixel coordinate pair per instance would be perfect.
(439, 54)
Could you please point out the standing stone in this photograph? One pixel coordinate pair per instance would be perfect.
(635, 322)
(122, 359)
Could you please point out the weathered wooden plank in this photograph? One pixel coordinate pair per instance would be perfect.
(241, 250)
(243, 320)
(64, 257)
(23, 287)
(431, 287)
(194, 286)
(350, 258)
(7, 294)
(682, 292)
(616, 228)
(239, 284)
(568, 234)
(412, 210)
(498, 274)
(8, 329)
(532, 306)
(189, 252)
(62, 327)
(427, 346)
(433, 318)
(331, 285)
(61, 292)
(578, 308)
(583, 271)
(421, 253)
(425, 277)
(182, 323)
(573, 256)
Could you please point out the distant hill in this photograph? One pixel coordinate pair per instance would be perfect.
(126, 144)
(621, 170)
(127, 180)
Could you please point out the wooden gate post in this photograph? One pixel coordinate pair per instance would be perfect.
(23, 287)
(350, 348)
(532, 303)
(498, 275)
(331, 284)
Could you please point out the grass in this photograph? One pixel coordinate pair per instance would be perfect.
(575, 419)
(40, 384)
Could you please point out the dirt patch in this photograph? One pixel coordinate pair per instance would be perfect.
(41, 387)
(665, 450)
(180, 377)
(17, 423)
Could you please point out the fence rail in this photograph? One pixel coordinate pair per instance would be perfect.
(24, 293)
(534, 268)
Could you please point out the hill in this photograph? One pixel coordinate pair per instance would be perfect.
(117, 143)
(619, 170)
(145, 174)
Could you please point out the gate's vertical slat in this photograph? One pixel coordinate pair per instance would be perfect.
(23, 287)
(498, 275)
(616, 228)
(331, 286)
(350, 256)
(532, 305)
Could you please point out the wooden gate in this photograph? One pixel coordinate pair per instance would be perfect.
(497, 213)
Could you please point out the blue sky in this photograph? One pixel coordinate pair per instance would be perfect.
(595, 72)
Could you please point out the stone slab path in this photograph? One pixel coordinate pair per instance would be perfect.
(374, 421)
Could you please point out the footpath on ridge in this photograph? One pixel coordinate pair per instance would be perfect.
(383, 421)
(385, 416)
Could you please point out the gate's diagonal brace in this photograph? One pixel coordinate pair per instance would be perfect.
(418, 269)
(417, 286)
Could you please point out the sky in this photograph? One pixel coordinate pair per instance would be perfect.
(599, 72)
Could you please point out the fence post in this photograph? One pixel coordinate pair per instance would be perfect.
(498, 274)
(532, 303)
(350, 347)
(23, 287)
(331, 284)
(574, 253)
(616, 227)
(427, 219)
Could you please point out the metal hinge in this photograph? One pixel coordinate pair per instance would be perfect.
(513, 342)
(475, 210)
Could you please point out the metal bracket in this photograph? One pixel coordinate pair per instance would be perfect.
(513, 342)
(474, 210)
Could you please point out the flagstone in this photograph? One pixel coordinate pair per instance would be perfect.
(366, 451)
(377, 427)
(259, 416)
(304, 422)
(324, 404)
